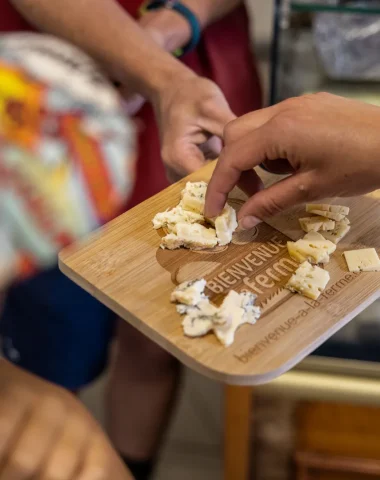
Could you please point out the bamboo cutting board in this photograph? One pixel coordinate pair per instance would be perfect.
(123, 266)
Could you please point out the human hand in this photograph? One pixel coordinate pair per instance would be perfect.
(329, 144)
(46, 433)
(191, 113)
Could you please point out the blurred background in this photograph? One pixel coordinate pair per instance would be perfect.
(320, 421)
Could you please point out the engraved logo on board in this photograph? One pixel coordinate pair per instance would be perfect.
(255, 261)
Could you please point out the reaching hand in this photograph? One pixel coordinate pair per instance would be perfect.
(330, 146)
(192, 113)
(46, 433)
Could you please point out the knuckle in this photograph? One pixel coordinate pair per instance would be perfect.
(229, 132)
(22, 464)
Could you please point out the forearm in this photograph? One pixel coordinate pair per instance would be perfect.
(109, 34)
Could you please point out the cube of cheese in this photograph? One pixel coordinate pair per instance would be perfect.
(340, 231)
(364, 260)
(328, 208)
(225, 225)
(313, 248)
(315, 224)
(194, 196)
(308, 280)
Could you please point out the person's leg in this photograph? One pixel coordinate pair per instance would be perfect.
(53, 328)
(141, 395)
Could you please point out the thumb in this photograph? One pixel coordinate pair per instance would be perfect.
(284, 194)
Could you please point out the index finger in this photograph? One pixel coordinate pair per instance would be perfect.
(242, 155)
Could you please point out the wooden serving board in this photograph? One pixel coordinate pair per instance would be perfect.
(123, 266)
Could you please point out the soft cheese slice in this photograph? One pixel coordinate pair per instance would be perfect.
(364, 260)
(332, 215)
(194, 196)
(308, 280)
(340, 231)
(328, 208)
(236, 310)
(193, 236)
(225, 225)
(313, 248)
(174, 216)
(189, 293)
(315, 224)
(200, 320)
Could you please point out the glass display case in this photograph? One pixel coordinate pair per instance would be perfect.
(326, 45)
(333, 46)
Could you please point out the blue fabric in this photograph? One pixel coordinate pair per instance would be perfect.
(56, 330)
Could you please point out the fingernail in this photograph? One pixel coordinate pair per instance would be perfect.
(246, 223)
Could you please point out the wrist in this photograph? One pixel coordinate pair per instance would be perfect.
(171, 27)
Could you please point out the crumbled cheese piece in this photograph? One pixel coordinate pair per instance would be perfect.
(194, 196)
(328, 208)
(200, 320)
(308, 280)
(174, 216)
(236, 310)
(364, 260)
(193, 236)
(189, 293)
(225, 225)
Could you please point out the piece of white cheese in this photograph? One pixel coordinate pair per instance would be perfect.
(313, 248)
(315, 224)
(174, 216)
(236, 310)
(308, 280)
(332, 215)
(340, 231)
(225, 225)
(364, 260)
(194, 196)
(193, 236)
(200, 320)
(189, 293)
(328, 208)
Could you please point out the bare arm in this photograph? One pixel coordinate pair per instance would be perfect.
(109, 34)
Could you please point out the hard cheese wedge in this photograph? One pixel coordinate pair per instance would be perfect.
(325, 207)
(313, 248)
(308, 280)
(340, 231)
(315, 224)
(332, 215)
(364, 260)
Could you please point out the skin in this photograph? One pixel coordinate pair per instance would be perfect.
(189, 109)
(47, 434)
(328, 144)
(191, 113)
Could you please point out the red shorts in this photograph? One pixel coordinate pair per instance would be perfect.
(223, 55)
